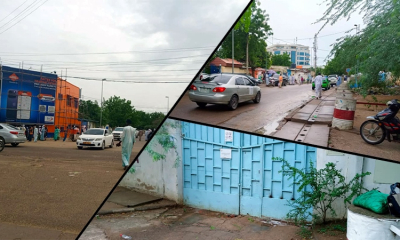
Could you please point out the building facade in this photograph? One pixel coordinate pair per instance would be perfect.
(299, 54)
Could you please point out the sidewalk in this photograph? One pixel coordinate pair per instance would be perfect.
(310, 123)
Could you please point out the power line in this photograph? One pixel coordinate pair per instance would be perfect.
(24, 17)
(102, 53)
(19, 14)
(13, 11)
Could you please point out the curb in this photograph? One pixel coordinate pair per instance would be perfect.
(143, 208)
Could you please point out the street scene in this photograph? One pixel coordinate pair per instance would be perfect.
(213, 183)
(316, 90)
(83, 87)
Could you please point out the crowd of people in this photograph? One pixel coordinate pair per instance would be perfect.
(36, 133)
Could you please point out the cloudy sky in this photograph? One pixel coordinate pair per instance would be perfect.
(290, 19)
(119, 40)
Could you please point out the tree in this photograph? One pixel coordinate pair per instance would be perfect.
(117, 111)
(250, 35)
(89, 110)
(281, 60)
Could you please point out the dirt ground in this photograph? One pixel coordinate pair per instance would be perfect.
(53, 185)
(351, 140)
(183, 223)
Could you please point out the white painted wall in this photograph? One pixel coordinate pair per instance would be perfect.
(160, 178)
(350, 165)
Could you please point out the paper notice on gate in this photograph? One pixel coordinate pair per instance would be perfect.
(226, 153)
(228, 136)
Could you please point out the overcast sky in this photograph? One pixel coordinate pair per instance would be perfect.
(155, 40)
(292, 18)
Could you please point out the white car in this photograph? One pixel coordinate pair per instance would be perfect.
(117, 133)
(96, 138)
(333, 79)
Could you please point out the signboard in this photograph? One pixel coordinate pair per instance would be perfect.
(228, 136)
(27, 97)
(226, 153)
(347, 70)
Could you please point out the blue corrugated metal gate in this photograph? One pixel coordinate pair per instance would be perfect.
(249, 182)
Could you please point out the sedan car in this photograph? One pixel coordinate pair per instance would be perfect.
(95, 138)
(333, 79)
(11, 135)
(117, 133)
(223, 88)
(325, 84)
(254, 80)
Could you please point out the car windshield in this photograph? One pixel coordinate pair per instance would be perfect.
(94, 132)
(219, 78)
(332, 76)
(11, 127)
(119, 129)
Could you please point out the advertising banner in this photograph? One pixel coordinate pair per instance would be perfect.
(27, 97)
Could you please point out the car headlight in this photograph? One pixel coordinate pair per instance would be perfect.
(98, 139)
(79, 138)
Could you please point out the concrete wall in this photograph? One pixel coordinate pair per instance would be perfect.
(236, 70)
(160, 178)
(350, 165)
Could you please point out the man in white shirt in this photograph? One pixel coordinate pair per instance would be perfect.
(127, 139)
(318, 86)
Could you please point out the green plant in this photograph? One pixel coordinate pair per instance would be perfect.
(212, 228)
(318, 190)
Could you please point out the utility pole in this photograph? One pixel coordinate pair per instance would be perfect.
(315, 53)
(101, 111)
(233, 50)
(357, 31)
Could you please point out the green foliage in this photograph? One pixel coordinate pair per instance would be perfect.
(89, 110)
(318, 190)
(165, 140)
(116, 111)
(251, 31)
(281, 60)
(333, 66)
(375, 48)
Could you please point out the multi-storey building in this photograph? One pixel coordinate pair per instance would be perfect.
(299, 54)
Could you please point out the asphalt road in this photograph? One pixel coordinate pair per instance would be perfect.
(275, 104)
(52, 186)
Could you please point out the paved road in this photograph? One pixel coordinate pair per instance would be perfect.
(275, 104)
(52, 188)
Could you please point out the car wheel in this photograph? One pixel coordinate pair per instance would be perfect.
(80, 147)
(257, 98)
(103, 146)
(201, 104)
(14, 144)
(112, 144)
(233, 103)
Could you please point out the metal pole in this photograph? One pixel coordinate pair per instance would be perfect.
(233, 51)
(101, 112)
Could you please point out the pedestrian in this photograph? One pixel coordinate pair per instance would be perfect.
(35, 133)
(146, 134)
(318, 86)
(42, 133)
(30, 134)
(280, 80)
(308, 79)
(339, 81)
(127, 140)
(302, 80)
(65, 133)
(140, 135)
(56, 133)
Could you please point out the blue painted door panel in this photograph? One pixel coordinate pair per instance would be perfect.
(248, 183)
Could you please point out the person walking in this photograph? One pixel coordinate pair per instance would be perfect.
(43, 132)
(127, 140)
(280, 80)
(65, 133)
(318, 86)
(302, 80)
(56, 133)
(35, 133)
(30, 134)
(140, 135)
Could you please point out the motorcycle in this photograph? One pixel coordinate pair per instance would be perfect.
(384, 124)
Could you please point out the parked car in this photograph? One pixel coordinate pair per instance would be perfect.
(117, 133)
(223, 88)
(325, 84)
(11, 135)
(333, 79)
(256, 81)
(96, 138)
(274, 79)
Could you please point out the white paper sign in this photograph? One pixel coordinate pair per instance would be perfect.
(228, 136)
(226, 153)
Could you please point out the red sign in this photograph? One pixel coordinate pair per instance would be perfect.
(14, 77)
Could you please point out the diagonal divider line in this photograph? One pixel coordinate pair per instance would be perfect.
(166, 117)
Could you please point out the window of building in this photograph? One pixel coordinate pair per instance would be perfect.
(69, 100)
(76, 102)
(277, 52)
(60, 96)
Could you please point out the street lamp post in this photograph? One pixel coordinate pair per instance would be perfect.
(167, 104)
(101, 111)
(357, 31)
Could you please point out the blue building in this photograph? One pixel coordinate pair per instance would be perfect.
(299, 54)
